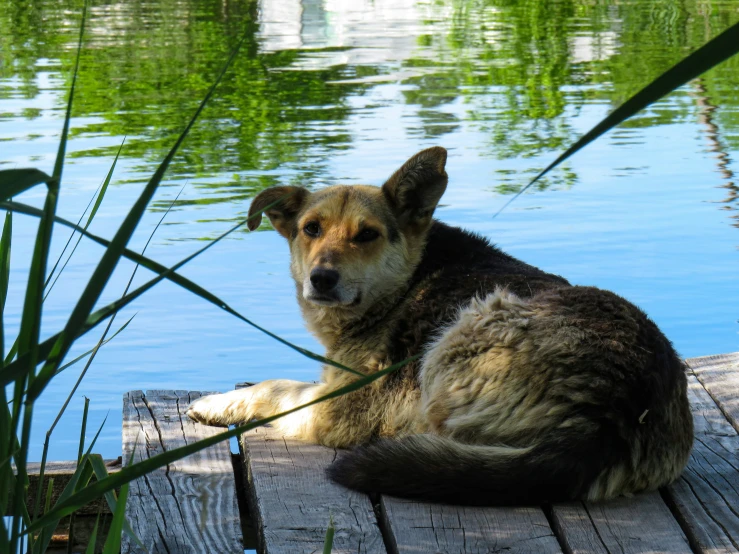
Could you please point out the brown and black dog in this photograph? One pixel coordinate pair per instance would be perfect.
(528, 390)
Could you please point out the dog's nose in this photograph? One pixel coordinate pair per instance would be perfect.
(323, 280)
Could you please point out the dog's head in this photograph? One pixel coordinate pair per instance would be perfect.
(353, 245)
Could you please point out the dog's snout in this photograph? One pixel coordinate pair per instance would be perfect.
(324, 280)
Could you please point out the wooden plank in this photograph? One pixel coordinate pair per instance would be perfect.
(706, 497)
(626, 525)
(292, 500)
(421, 527)
(189, 506)
(720, 376)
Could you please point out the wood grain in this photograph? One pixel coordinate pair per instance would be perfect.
(425, 528)
(706, 497)
(190, 505)
(720, 376)
(625, 525)
(292, 501)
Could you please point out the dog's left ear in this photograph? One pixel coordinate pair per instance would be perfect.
(415, 189)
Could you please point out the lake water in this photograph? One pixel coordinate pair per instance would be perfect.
(343, 92)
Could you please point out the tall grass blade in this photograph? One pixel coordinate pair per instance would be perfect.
(104, 188)
(92, 545)
(78, 482)
(28, 336)
(45, 453)
(712, 53)
(5, 246)
(69, 241)
(16, 181)
(83, 429)
(49, 491)
(59, 163)
(113, 253)
(85, 354)
(131, 472)
(28, 342)
(8, 440)
(11, 353)
(98, 201)
(328, 543)
(113, 540)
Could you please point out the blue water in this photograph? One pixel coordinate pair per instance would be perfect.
(641, 211)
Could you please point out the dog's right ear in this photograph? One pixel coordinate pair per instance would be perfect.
(414, 190)
(281, 204)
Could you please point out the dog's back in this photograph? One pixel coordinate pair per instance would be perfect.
(534, 391)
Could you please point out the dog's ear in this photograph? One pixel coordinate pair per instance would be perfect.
(281, 204)
(414, 190)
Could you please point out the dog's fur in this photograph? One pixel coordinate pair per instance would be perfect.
(529, 389)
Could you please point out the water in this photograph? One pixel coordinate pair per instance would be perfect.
(343, 92)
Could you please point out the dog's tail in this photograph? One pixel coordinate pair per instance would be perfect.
(438, 469)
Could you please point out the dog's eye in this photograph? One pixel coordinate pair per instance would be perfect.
(312, 229)
(366, 235)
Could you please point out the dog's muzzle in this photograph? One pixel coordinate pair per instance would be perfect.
(324, 280)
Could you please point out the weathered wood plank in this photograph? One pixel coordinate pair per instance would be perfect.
(189, 506)
(626, 525)
(720, 376)
(706, 497)
(421, 527)
(292, 501)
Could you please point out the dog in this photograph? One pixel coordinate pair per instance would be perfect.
(528, 389)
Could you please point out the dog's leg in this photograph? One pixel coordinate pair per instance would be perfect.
(259, 401)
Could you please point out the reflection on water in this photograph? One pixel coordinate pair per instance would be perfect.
(706, 115)
(332, 91)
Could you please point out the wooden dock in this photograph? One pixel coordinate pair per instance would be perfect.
(274, 496)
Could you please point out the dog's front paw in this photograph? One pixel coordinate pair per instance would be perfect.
(214, 409)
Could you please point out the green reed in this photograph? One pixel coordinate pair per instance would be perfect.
(31, 364)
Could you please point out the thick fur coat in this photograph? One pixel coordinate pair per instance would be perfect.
(528, 389)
